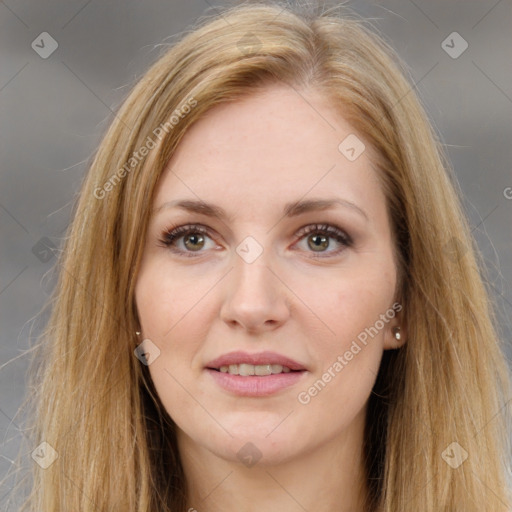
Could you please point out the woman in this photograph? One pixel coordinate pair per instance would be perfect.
(269, 297)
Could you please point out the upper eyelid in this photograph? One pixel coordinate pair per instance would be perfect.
(322, 226)
(306, 227)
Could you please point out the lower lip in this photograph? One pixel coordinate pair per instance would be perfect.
(255, 385)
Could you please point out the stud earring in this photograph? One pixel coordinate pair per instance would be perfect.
(137, 333)
(396, 333)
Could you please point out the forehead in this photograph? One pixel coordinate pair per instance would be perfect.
(272, 147)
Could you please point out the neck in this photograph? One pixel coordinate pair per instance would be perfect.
(328, 478)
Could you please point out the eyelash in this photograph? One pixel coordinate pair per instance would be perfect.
(174, 233)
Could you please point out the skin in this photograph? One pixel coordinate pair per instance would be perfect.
(251, 157)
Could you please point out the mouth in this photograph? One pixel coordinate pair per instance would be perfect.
(260, 364)
(255, 375)
(249, 370)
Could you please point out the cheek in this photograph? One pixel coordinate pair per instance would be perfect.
(332, 400)
(348, 303)
(347, 361)
(168, 299)
(175, 313)
(170, 312)
(355, 310)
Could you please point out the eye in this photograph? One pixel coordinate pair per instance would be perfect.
(193, 235)
(318, 235)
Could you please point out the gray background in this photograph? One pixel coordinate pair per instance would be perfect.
(54, 111)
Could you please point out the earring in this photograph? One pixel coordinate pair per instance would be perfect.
(396, 333)
(137, 333)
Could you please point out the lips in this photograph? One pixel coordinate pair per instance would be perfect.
(255, 375)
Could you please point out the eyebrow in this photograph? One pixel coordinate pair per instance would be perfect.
(292, 209)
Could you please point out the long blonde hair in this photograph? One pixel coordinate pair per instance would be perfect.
(92, 400)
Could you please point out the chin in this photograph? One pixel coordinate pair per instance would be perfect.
(258, 441)
(258, 451)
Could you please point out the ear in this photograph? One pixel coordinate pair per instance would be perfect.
(396, 328)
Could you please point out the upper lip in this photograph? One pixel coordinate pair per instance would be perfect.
(267, 357)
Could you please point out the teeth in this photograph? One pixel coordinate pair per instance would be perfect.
(246, 370)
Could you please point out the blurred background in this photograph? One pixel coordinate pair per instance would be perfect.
(66, 66)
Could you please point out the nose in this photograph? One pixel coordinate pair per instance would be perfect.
(256, 299)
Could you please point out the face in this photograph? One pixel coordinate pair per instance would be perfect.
(259, 284)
